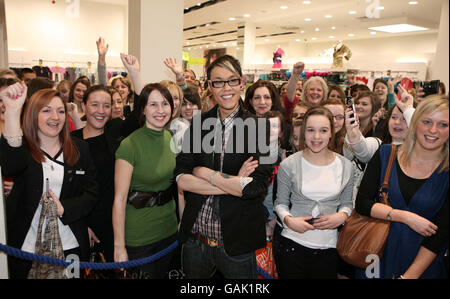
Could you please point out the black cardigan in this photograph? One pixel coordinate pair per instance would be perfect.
(78, 194)
(242, 219)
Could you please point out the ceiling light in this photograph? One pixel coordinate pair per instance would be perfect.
(398, 28)
(232, 19)
(328, 16)
(352, 12)
(314, 38)
(317, 29)
(351, 35)
(333, 28)
(267, 40)
(303, 31)
(413, 2)
(247, 16)
(297, 40)
(331, 36)
(307, 20)
(373, 33)
(380, 8)
(306, 2)
(284, 7)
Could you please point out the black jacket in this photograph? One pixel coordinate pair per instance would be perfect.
(78, 194)
(242, 219)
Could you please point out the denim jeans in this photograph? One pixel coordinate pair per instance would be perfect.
(159, 268)
(200, 261)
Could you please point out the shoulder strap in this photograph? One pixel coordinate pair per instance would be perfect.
(385, 185)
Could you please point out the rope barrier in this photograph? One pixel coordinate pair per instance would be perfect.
(84, 265)
(11, 251)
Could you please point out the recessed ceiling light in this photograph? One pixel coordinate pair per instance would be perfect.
(352, 12)
(373, 33)
(331, 36)
(413, 2)
(307, 20)
(267, 40)
(188, 43)
(398, 28)
(351, 35)
(306, 2)
(284, 7)
(297, 40)
(189, 49)
(247, 16)
(333, 28)
(232, 19)
(314, 38)
(380, 8)
(328, 16)
(303, 31)
(317, 29)
(238, 49)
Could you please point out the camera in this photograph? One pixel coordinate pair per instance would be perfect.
(429, 87)
(351, 104)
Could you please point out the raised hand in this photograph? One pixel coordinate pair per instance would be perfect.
(406, 100)
(14, 96)
(298, 68)
(377, 116)
(173, 65)
(130, 62)
(102, 47)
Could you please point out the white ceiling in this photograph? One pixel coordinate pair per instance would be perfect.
(270, 19)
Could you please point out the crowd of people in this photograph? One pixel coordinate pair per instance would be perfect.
(133, 166)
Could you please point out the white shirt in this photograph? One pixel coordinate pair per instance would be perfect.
(320, 182)
(55, 174)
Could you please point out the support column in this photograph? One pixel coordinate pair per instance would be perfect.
(440, 64)
(246, 43)
(155, 33)
(3, 37)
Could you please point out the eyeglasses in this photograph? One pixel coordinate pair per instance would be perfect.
(298, 115)
(221, 84)
(339, 117)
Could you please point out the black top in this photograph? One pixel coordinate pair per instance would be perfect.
(242, 219)
(368, 192)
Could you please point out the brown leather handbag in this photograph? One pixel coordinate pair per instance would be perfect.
(361, 235)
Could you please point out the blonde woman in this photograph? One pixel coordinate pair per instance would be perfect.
(418, 197)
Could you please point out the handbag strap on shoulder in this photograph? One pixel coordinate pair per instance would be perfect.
(385, 185)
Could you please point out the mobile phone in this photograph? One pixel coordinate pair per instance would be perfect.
(351, 104)
(431, 87)
(47, 188)
(311, 221)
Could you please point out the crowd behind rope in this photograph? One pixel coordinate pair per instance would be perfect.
(117, 160)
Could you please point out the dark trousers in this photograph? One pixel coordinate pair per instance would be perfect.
(200, 261)
(295, 261)
(158, 269)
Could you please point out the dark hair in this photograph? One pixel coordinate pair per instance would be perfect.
(339, 90)
(228, 62)
(72, 88)
(375, 101)
(143, 100)
(387, 137)
(280, 116)
(379, 80)
(37, 84)
(8, 82)
(358, 88)
(26, 71)
(93, 89)
(191, 95)
(275, 96)
(319, 110)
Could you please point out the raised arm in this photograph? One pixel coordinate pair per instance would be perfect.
(177, 70)
(14, 98)
(102, 49)
(131, 63)
(292, 83)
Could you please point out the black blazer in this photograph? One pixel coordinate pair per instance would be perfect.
(242, 218)
(78, 193)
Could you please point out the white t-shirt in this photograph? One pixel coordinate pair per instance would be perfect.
(318, 183)
(55, 174)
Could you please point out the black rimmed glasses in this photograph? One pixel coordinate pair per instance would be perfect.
(221, 84)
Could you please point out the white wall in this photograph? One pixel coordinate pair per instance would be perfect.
(38, 29)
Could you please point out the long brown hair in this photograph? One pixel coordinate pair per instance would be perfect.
(339, 137)
(319, 110)
(30, 128)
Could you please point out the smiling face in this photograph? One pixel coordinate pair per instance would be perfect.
(117, 106)
(227, 97)
(122, 88)
(381, 90)
(157, 112)
(51, 119)
(188, 110)
(98, 109)
(314, 93)
(432, 130)
(334, 94)
(78, 92)
(398, 127)
(363, 108)
(317, 133)
(261, 101)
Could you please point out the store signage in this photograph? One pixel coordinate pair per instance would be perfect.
(197, 61)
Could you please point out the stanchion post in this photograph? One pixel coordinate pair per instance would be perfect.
(3, 258)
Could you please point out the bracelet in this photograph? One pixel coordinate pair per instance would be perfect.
(211, 178)
(14, 140)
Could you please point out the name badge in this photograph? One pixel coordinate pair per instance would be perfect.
(80, 172)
